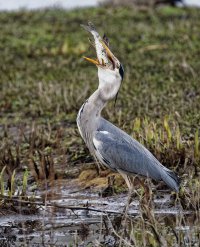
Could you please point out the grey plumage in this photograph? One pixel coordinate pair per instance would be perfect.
(109, 144)
(125, 154)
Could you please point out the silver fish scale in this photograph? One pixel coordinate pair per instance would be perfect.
(100, 50)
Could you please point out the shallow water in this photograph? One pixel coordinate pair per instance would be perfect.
(56, 225)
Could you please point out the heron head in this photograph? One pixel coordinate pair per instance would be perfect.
(110, 74)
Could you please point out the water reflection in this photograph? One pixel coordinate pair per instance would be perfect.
(58, 225)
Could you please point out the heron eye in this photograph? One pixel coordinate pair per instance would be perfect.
(121, 71)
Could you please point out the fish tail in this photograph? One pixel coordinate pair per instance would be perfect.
(89, 27)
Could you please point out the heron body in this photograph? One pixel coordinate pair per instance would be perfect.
(110, 145)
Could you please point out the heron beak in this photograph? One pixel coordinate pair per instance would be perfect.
(102, 63)
(96, 62)
(109, 54)
(108, 51)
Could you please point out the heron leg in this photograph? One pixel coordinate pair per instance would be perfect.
(127, 180)
(130, 191)
(146, 196)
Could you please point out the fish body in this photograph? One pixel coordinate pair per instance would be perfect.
(99, 45)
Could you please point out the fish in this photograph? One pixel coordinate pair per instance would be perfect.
(104, 55)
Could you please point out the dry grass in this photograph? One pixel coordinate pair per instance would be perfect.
(44, 81)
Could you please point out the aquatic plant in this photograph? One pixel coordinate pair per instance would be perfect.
(42, 81)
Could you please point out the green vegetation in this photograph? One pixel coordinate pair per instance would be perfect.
(44, 81)
(44, 76)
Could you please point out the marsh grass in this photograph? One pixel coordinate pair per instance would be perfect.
(44, 81)
(14, 193)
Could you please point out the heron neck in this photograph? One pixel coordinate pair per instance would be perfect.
(95, 104)
(88, 118)
(89, 113)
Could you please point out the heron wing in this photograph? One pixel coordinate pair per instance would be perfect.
(119, 151)
(118, 154)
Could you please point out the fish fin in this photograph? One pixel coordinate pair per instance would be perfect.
(92, 43)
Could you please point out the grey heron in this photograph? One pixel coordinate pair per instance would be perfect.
(107, 143)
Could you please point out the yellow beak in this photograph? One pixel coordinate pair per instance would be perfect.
(96, 62)
(108, 51)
